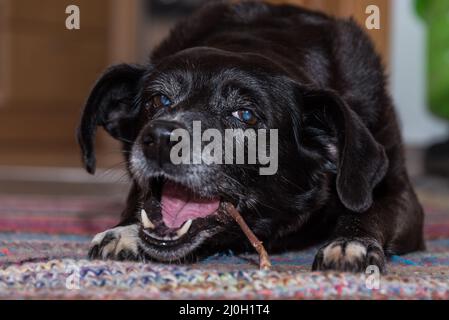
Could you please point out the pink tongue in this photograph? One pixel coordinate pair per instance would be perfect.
(179, 205)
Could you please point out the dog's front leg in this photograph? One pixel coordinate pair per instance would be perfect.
(393, 224)
(356, 243)
(121, 242)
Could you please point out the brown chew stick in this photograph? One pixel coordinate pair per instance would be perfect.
(264, 260)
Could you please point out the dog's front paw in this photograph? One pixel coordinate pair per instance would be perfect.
(120, 243)
(350, 255)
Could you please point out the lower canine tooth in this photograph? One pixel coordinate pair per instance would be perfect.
(184, 228)
(147, 224)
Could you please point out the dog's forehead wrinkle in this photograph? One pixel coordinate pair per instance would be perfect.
(174, 86)
(207, 71)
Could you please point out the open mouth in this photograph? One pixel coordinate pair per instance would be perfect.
(177, 216)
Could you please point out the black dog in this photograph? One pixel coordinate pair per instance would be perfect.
(341, 176)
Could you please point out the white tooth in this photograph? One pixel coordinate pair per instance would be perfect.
(145, 221)
(156, 237)
(184, 228)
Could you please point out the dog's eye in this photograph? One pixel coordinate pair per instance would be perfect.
(161, 100)
(246, 116)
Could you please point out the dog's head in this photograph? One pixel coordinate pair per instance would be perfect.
(320, 147)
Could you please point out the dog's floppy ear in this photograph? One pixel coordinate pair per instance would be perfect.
(362, 161)
(111, 104)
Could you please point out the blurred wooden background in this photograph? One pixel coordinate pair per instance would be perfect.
(46, 71)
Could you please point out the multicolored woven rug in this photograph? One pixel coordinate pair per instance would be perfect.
(44, 240)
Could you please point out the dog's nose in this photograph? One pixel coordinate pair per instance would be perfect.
(156, 141)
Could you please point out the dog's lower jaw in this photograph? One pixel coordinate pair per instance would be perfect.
(178, 253)
(127, 243)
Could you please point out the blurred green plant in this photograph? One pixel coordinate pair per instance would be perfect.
(435, 14)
